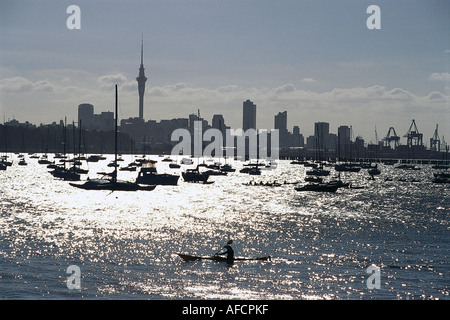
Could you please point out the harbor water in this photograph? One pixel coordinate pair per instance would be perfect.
(322, 245)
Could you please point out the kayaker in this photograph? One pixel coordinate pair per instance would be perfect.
(228, 250)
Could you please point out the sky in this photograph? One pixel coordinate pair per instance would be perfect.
(317, 60)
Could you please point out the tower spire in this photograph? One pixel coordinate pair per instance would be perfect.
(142, 49)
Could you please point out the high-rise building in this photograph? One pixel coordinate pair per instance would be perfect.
(104, 121)
(218, 122)
(321, 129)
(249, 115)
(86, 114)
(344, 135)
(141, 83)
(281, 126)
(344, 142)
(90, 121)
(281, 121)
(297, 138)
(321, 135)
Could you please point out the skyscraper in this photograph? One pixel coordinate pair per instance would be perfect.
(86, 114)
(141, 82)
(249, 116)
(281, 121)
(281, 126)
(344, 135)
(321, 132)
(218, 122)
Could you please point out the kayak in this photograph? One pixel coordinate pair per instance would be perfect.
(187, 257)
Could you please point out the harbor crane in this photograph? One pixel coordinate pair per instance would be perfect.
(435, 142)
(392, 139)
(414, 138)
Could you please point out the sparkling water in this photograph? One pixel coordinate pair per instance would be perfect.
(322, 244)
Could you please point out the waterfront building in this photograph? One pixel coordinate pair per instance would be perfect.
(249, 115)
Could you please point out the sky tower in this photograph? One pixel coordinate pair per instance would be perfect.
(141, 82)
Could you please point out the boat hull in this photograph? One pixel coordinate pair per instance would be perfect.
(347, 168)
(319, 188)
(65, 174)
(158, 179)
(195, 177)
(187, 257)
(103, 184)
(318, 173)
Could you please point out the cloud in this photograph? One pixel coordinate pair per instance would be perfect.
(309, 80)
(357, 94)
(228, 88)
(107, 82)
(445, 76)
(286, 88)
(130, 86)
(400, 94)
(24, 85)
(178, 87)
(436, 96)
(15, 85)
(43, 86)
(362, 107)
(157, 92)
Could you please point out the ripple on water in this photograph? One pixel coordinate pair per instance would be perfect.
(126, 243)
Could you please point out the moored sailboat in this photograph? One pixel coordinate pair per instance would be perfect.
(111, 183)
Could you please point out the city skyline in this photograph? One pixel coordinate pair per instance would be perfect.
(138, 129)
(318, 61)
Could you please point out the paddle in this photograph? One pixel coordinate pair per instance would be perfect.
(215, 254)
(228, 243)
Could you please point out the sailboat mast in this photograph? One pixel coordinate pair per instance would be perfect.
(64, 136)
(115, 140)
(79, 140)
(65, 139)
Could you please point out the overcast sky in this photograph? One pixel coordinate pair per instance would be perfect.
(317, 60)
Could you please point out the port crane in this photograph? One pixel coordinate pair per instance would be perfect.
(392, 139)
(414, 138)
(435, 142)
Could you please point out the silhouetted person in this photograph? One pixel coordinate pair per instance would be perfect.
(228, 250)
